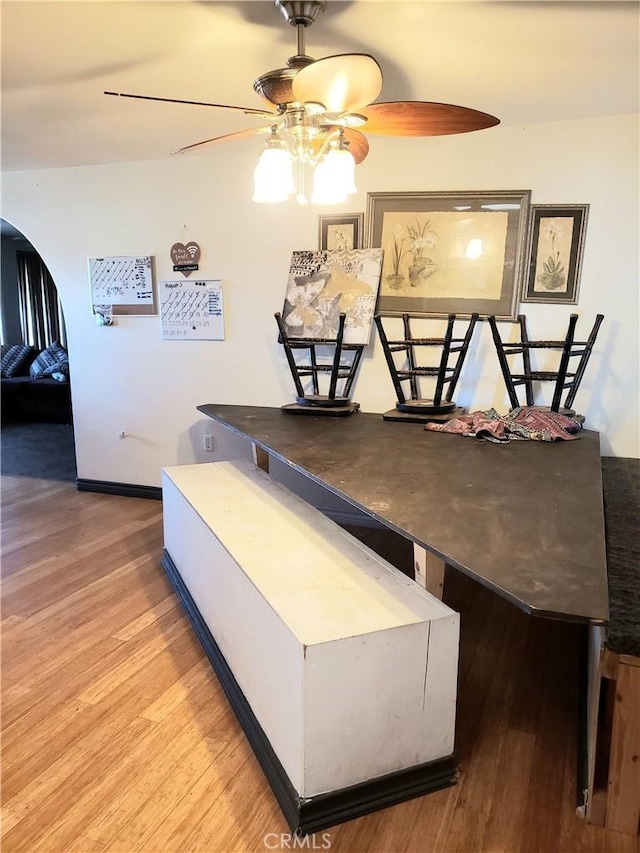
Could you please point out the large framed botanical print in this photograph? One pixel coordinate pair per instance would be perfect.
(450, 252)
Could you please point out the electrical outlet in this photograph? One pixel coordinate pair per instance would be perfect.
(207, 442)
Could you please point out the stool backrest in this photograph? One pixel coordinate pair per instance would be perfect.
(562, 377)
(339, 367)
(447, 374)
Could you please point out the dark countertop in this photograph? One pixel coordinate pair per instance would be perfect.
(524, 519)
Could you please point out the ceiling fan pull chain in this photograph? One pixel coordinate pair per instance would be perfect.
(301, 198)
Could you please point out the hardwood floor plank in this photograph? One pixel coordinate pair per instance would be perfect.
(557, 724)
(178, 692)
(134, 833)
(110, 779)
(252, 815)
(176, 830)
(131, 587)
(171, 625)
(147, 618)
(216, 804)
(61, 729)
(360, 834)
(48, 742)
(31, 596)
(44, 805)
(49, 685)
(82, 844)
(149, 775)
(144, 686)
(11, 621)
(62, 526)
(509, 800)
(8, 819)
(95, 662)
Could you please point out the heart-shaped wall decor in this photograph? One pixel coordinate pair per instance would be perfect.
(185, 256)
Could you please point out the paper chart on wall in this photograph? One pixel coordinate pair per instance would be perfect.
(124, 282)
(191, 310)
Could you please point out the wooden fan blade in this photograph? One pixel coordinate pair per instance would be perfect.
(340, 83)
(238, 134)
(358, 142)
(423, 118)
(247, 110)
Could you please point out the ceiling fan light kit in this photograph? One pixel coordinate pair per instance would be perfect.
(334, 166)
(313, 109)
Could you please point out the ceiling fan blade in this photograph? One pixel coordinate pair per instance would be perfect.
(340, 83)
(247, 110)
(227, 137)
(423, 118)
(358, 142)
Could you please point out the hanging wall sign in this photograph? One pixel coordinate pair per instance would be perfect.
(185, 257)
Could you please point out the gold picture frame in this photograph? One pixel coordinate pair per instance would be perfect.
(450, 252)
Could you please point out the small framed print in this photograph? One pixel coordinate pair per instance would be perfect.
(340, 231)
(556, 247)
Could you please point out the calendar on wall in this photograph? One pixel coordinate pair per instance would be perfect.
(191, 310)
(125, 283)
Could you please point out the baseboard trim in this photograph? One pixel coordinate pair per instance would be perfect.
(306, 815)
(125, 490)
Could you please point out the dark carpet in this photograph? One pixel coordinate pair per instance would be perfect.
(38, 450)
(621, 484)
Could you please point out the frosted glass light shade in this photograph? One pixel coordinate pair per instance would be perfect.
(340, 163)
(325, 188)
(273, 177)
(333, 178)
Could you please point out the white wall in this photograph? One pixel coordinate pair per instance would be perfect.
(125, 378)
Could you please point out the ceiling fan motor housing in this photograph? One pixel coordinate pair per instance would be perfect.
(275, 86)
(300, 11)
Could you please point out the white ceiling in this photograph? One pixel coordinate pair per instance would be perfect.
(524, 62)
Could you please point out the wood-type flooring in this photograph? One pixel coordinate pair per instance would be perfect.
(117, 736)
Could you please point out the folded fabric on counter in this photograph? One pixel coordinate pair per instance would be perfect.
(522, 424)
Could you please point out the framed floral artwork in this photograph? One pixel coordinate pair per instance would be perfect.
(556, 247)
(450, 252)
(339, 232)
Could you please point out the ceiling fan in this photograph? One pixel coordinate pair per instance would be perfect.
(315, 107)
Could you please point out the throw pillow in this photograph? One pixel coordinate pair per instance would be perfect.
(49, 357)
(60, 368)
(15, 360)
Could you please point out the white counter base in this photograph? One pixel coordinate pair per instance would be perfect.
(348, 667)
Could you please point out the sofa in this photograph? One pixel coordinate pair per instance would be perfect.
(35, 384)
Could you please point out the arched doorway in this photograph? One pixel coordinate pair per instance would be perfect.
(37, 422)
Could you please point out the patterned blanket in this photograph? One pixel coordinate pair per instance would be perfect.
(522, 424)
